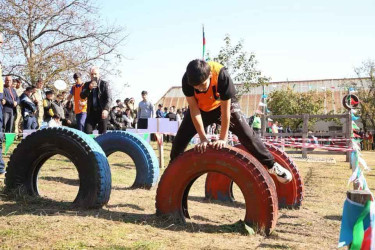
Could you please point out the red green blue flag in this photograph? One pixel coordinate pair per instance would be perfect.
(204, 43)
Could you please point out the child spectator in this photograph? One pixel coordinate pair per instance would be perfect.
(159, 112)
(116, 118)
(55, 121)
(128, 120)
(28, 109)
(165, 112)
(70, 117)
(47, 105)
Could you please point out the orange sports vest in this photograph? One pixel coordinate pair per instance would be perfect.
(76, 93)
(210, 100)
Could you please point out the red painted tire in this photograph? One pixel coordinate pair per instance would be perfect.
(219, 187)
(256, 185)
(290, 195)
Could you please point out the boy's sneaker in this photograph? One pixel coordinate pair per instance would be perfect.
(283, 175)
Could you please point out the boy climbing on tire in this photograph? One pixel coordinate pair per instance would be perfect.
(210, 93)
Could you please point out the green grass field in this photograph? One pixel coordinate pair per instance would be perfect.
(129, 221)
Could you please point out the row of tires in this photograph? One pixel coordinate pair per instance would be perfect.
(263, 195)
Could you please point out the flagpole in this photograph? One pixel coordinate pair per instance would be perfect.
(204, 43)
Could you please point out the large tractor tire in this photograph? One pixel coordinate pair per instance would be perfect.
(290, 195)
(87, 156)
(256, 185)
(144, 157)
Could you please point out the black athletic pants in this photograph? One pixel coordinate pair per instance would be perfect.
(238, 125)
(142, 123)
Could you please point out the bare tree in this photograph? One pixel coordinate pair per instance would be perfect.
(54, 38)
(241, 65)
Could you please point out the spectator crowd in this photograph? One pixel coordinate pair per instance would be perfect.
(87, 106)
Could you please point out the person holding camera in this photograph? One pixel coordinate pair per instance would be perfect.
(99, 100)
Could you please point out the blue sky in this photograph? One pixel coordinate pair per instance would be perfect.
(294, 40)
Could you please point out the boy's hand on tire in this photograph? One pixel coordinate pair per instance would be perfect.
(202, 146)
(219, 144)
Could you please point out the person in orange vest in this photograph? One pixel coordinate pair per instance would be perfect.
(210, 93)
(2, 165)
(80, 105)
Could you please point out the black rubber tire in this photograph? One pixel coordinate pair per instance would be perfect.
(87, 156)
(144, 157)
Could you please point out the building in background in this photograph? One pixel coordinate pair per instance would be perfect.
(334, 89)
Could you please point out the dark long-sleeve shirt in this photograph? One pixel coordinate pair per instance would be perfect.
(102, 93)
(9, 100)
(27, 106)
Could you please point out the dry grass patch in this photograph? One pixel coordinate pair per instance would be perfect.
(129, 220)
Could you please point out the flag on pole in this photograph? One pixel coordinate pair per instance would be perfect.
(355, 221)
(353, 102)
(204, 43)
(262, 104)
(9, 139)
(354, 118)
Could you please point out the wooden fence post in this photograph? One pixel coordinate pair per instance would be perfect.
(263, 125)
(359, 196)
(305, 131)
(348, 131)
(160, 145)
(161, 151)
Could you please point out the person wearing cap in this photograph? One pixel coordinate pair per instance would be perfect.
(211, 96)
(28, 109)
(80, 105)
(145, 111)
(99, 100)
(49, 111)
